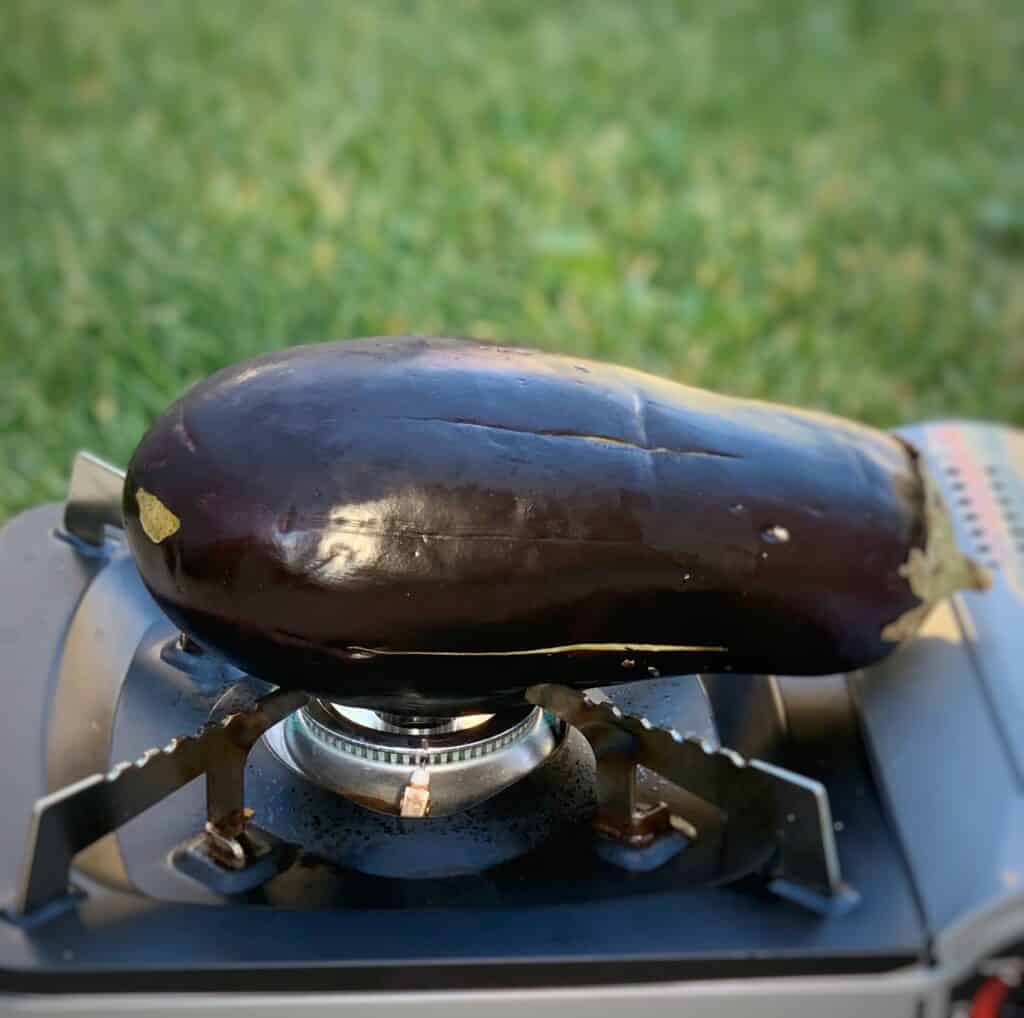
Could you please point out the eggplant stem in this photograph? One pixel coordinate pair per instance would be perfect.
(937, 570)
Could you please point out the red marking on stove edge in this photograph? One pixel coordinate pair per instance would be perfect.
(989, 999)
(988, 527)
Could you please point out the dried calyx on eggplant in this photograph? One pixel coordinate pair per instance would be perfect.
(434, 525)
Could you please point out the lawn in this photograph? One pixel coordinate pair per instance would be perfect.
(821, 203)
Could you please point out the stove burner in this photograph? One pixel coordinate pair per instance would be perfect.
(413, 766)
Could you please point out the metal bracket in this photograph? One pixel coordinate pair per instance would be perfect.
(762, 802)
(71, 819)
(94, 499)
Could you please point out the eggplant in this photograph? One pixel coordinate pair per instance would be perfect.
(434, 525)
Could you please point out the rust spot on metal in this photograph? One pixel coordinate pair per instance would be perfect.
(643, 828)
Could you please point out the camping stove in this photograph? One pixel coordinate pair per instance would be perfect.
(180, 836)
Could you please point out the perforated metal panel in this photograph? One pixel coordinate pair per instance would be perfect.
(944, 715)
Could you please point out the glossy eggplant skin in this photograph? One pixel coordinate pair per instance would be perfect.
(434, 525)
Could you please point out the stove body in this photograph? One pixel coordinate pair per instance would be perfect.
(504, 904)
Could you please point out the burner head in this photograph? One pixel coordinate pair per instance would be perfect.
(411, 765)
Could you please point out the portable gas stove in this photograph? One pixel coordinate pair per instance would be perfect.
(700, 845)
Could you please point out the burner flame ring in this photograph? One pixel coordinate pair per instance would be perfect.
(414, 767)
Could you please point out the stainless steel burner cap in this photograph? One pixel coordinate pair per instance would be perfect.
(415, 767)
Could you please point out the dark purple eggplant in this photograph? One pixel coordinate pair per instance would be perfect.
(434, 525)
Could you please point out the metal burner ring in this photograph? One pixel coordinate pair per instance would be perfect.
(394, 770)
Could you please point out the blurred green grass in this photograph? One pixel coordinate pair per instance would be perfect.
(815, 202)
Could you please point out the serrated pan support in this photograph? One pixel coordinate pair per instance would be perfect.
(69, 820)
(759, 800)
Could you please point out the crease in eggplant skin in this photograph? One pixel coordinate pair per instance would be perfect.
(542, 433)
(351, 533)
(571, 648)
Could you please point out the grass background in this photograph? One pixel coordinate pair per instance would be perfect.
(816, 202)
